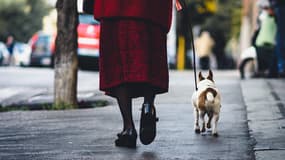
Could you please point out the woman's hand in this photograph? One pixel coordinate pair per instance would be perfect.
(178, 5)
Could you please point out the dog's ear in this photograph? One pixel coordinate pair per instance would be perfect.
(201, 76)
(210, 75)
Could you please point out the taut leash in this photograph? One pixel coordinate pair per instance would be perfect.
(181, 5)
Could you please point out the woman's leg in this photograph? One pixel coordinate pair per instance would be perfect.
(148, 117)
(149, 97)
(125, 105)
(128, 137)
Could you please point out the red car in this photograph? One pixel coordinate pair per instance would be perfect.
(88, 41)
(43, 45)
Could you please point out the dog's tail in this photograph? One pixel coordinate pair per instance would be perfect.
(210, 94)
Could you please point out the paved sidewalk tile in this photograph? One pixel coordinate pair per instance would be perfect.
(264, 99)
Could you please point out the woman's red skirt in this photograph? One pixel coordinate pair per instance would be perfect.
(132, 52)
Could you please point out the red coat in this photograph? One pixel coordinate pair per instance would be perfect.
(157, 11)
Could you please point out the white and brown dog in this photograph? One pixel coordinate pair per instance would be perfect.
(206, 100)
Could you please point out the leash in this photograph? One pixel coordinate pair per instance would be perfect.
(183, 6)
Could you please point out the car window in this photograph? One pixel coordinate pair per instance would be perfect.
(42, 44)
(87, 19)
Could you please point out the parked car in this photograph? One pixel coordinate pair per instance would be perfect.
(43, 44)
(4, 54)
(88, 41)
(22, 54)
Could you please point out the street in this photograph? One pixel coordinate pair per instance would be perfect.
(19, 84)
(90, 133)
(42, 78)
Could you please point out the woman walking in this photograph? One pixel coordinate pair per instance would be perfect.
(133, 60)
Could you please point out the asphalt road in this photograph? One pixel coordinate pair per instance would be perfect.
(22, 83)
(42, 78)
(90, 133)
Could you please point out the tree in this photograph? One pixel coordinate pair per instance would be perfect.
(66, 61)
(22, 18)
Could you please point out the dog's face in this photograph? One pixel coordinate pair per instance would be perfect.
(208, 81)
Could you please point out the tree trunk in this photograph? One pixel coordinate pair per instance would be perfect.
(66, 61)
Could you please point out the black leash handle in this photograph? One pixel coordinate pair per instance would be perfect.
(189, 29)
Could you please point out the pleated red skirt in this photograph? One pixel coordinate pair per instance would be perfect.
(132, 52)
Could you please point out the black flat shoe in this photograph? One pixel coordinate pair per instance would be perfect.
(127, 138)
(148, 124)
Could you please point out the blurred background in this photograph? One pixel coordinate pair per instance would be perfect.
(222, 29)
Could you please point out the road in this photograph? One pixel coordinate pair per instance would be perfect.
(90, 133)
(42, 78)
(23, 83)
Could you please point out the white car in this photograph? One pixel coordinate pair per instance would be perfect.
(22, 54)
(4, 54)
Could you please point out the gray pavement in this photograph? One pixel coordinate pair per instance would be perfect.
(250, 126)
(265, 100)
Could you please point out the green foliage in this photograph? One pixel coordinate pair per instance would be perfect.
(21, 18)
(13, 108)
(52, 106)
(62, 106)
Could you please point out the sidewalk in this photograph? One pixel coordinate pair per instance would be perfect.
(90, 133)
(265, 101)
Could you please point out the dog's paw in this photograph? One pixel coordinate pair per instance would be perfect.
(209, 125)
(215, 134)
(209, 130)
(197, 130)
(204, 134)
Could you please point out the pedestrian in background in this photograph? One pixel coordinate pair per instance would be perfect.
(279, 9)
(133, 59)
(204, 44)
(10, 46)
(265, 42)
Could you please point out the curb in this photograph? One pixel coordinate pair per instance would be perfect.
(42, 100)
